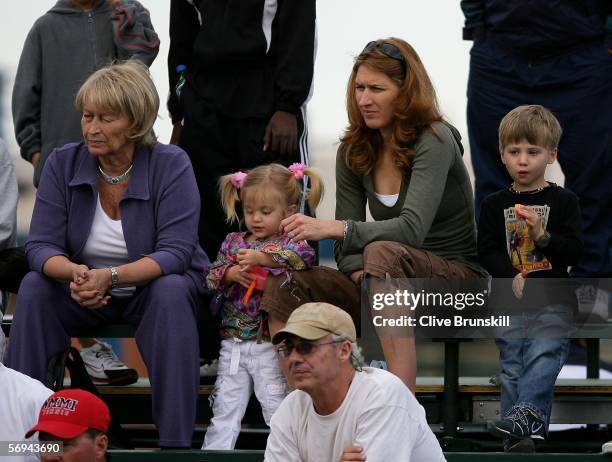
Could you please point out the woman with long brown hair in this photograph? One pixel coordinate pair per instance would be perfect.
(401, 158)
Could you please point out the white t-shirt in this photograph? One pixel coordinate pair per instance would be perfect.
(379, 413)
(22, 398)
(388, 200)
(105, 247)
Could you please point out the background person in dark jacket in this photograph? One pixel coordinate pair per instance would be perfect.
(249, 73)
(557, 54)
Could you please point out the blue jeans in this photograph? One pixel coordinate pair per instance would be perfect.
(532, 351)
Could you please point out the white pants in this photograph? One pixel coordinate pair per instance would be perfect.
(244, 366)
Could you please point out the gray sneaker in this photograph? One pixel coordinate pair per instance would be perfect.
(104, 367)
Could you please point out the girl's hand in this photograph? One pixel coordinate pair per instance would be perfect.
(534, 223)
(300, 227)
(247, 258)
(237, 274)
(518, 284)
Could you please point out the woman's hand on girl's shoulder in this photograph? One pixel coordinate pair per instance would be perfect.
(301, 227)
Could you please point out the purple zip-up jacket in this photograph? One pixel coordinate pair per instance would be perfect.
(159, 211)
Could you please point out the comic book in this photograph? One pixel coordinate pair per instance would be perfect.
(524, 254)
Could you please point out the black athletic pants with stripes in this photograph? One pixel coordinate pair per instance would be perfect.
(218, 145)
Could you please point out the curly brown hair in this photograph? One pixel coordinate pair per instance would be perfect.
(416, 109)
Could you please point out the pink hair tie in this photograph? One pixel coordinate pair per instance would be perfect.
(298, 170)
(237, 179)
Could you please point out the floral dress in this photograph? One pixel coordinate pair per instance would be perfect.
(237, 319)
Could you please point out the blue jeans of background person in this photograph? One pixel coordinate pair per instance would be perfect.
(577, 88)
(532, 351)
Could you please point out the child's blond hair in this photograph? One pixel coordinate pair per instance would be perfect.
(533, 123)
(278, 177)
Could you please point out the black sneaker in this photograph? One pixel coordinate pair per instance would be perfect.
(523, 445)
(520, 422)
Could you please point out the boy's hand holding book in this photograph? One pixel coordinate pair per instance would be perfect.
(535, 224)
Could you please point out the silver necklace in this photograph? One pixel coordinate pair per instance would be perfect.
(115, 179)
(531, 191)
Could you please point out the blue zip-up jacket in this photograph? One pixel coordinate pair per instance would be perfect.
(159, 211)
(535, 29)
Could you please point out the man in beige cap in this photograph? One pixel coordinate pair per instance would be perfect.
(339, 410)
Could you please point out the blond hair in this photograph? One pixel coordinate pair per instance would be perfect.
(533, 123)
(124, 88)
(274, 176)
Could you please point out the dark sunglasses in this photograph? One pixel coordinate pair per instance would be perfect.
(303, 348)
(388, 49)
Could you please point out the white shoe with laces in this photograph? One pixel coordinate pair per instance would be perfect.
(104, 367)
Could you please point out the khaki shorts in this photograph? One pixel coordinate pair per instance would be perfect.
(400, 261)
(284, 293)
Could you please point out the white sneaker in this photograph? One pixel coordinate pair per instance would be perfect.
(104, 367)
(209, 369)
(593, 302)
(606, 448)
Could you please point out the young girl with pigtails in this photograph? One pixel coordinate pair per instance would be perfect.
(247, 361)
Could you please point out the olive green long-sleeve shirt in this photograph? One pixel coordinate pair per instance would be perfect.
(434, 211)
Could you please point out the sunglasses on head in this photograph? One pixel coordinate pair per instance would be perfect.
(388, 49)
(302, 348)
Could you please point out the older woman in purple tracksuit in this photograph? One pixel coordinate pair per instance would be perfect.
(114, 239)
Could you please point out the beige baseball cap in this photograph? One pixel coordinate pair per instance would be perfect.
(313, 321)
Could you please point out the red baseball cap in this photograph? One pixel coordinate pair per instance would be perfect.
(70, 413)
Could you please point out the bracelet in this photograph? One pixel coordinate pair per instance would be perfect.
(114, 277)
(345, 225)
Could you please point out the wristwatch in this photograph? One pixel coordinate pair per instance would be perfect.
(544, 240)
(114, 278)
